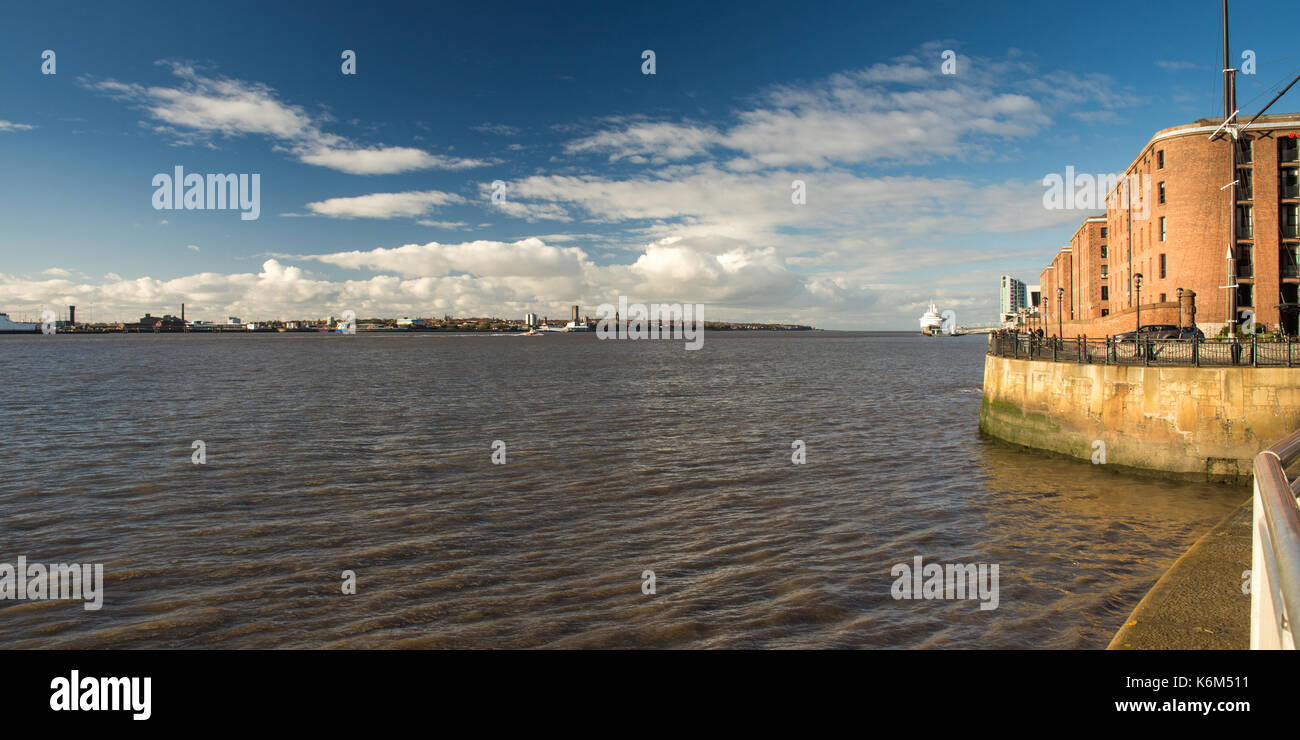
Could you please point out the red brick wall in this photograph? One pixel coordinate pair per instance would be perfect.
(1118, 323)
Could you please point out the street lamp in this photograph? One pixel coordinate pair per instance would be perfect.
(1137, 285)
(1180, 310)
(1060, 333)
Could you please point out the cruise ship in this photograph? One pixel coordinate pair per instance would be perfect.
(931, 321)
(16, 327)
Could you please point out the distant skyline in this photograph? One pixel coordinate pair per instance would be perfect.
(375, 189)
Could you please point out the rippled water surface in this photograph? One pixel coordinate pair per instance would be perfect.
(372, 453)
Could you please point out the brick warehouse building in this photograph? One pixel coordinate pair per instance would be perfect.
(1176, 235)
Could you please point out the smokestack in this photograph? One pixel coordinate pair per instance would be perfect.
(182, 312)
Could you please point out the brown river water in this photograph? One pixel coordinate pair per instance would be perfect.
(373, 453)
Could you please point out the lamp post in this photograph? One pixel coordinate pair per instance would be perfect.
(1060, 295)
(1180, 310)
(1137, 286)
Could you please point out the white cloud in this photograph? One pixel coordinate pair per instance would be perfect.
(903, 110)
(193, 247)
(11, 126)
(384, 205)
(384, 160)
(203, 107)
(659, 142)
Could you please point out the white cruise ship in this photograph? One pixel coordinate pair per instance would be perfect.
(8, 326)
(931, 321)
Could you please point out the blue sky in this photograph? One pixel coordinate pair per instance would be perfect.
(375, 187)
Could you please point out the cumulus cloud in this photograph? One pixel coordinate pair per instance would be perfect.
(11, 126)
(384, 160)
(201, 107)
(384, 205)
(902, 110)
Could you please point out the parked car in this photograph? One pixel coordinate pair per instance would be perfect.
(1152, 331)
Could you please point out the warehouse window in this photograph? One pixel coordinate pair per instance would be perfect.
(1289, 182)
(1162, 192)
(1245, 296)
(1163, 267)
(1105, 294)
(1160, 159)
(1244, 150)
(1103, 233)
(1162, 228)
(1290, 213)
(1288, 150)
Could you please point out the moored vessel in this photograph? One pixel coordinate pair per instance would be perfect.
(8, 326)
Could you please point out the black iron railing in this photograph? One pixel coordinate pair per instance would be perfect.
(1250, 351)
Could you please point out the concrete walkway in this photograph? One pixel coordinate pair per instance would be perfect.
(1198, 604)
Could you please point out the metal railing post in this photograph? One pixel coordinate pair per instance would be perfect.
(1275, 549)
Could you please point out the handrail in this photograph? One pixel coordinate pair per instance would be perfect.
(1250, 351)
(1275, 568)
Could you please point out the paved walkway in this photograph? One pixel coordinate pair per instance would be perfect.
(1198, 604)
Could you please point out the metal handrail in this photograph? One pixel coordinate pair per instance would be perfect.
(1206, 352)
(1275, 567)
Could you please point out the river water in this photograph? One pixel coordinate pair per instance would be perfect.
(374, 454)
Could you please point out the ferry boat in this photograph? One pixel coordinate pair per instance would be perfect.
(16, 327)
(931, 321)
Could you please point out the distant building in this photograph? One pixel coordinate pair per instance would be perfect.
(574, 315)
(149, 322)
(530, 319)
(1013, 295)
